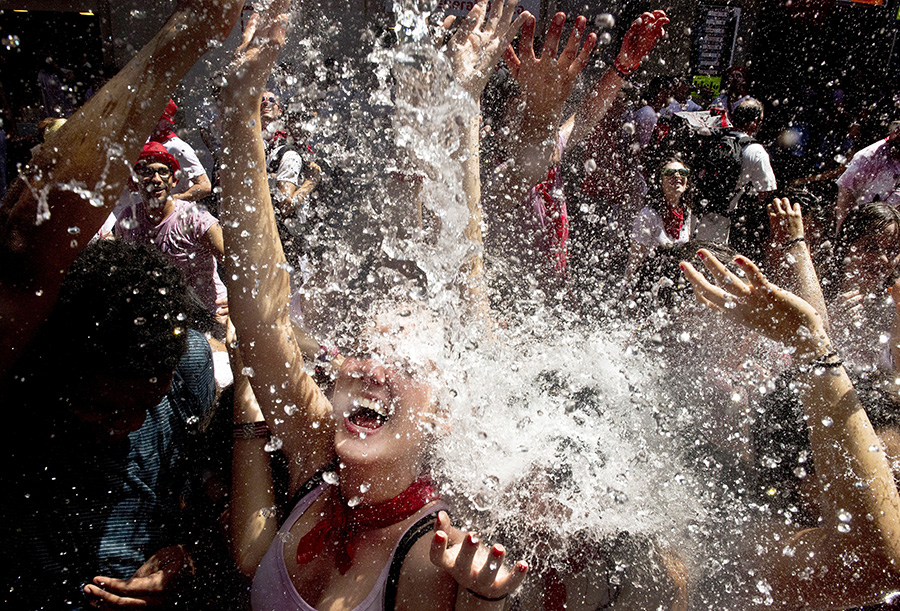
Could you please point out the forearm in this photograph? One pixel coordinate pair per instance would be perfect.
(197, 191)
(595, 106)
(802, 280)
(253, 520)
(856, 481)
(845, 202)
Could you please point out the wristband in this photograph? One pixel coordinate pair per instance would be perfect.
(251, 430)
(480, 597)
(622, 71)
(821, 363)
(790, 243)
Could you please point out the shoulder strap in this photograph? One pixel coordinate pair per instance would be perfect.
(279, 155)
(305, 489)
(416, 532)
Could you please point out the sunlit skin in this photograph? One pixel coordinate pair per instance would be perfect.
(674, 186)
(156, 189)
(269, 108)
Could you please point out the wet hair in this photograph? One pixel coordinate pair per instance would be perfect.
(122, 310)
(746, 113)
(866, 220)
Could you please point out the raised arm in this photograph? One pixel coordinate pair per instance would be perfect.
(640, 39)
(546, 84)
(474, 50)
(258, 284)
(68, 190)
(852, 558)
(791, 255)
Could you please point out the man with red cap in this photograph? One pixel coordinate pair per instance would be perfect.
(194, 184)
(187, 234)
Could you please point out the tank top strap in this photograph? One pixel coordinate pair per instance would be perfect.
(410, 537)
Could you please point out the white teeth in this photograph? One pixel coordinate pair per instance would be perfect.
(376, 406)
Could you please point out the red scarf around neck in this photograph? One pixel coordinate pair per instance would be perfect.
(346, 522)
(673, 220)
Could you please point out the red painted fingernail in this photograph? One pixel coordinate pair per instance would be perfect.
(740, 260)
(701, 254)
(681, 266)
(471, 539)
(521, 567)
(440, 536)
(497, 550)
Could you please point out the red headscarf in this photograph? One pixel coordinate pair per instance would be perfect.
(155, 152)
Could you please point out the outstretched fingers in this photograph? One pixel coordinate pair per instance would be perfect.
(724, 278)
(755, 276)
(707, 293)
(551, 43)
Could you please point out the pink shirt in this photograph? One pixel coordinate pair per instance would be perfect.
(179, 236)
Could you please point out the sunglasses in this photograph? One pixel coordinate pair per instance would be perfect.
(672, 172)
(146, 171)
(269, 98)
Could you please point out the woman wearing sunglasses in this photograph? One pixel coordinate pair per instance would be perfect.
(667, 218)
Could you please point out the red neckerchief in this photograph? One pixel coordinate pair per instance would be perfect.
(558, 219)
(673, 220)
(346, 522)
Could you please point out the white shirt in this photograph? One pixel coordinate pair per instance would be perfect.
(648, 229)
(756, 172)
(873, 175)
(191, 167)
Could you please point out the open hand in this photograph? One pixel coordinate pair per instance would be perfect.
(474, 567)
(476, 46)
(641, 37)
(759, 305)
(151, 585)
(785, 221)
(248, 72)
(548, 81)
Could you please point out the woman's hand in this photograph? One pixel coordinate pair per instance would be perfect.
(248, 72)
(476, 46)
(759, 305)
(640, 39)
(785, 221)
(547, 82)
(477, 569)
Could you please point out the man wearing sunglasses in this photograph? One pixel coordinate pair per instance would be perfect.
(188, 235)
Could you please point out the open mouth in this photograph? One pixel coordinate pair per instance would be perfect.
(368, 415)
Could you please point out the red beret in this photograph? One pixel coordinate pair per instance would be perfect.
(155, 152)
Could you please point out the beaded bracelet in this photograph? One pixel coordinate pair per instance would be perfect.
(480, 597)
(790, 243)
(251, 430)
(821, 363)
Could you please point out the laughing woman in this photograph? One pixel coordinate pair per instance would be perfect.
(343, 546)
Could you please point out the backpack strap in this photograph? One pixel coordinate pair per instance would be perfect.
(416, 532)
(279, 155)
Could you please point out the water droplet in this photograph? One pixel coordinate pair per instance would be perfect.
(290, 409)
(844, 515)
(140, 320)
(364, 487)
(74, 230)
(353, 501)
(844, 528)
(827, 421)
(330, 477)
(248, 371)
(192, 420)
(273, 445)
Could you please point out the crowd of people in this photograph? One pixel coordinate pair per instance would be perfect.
(198, 444)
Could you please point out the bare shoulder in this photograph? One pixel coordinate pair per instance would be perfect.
(422, 585)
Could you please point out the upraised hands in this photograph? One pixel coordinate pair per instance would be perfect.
(785, 221)
(474, 567)
(476, 46)
(759, 305)
(640, 39)
(547, 81)
(248, 72)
